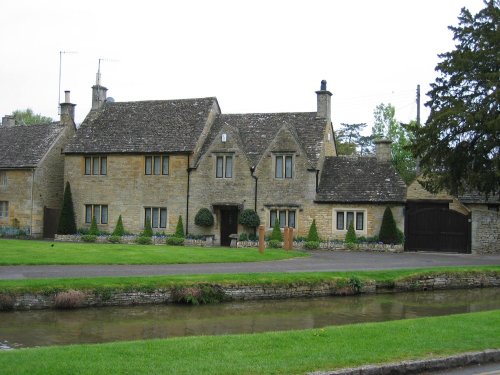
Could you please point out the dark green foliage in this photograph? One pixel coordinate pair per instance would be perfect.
(249, 218)
(93, 230)
(274, 244)
(175, 241)
(144, 240)
(350, 236)
(356, 284)
(89, 238)
(119, 229)
(28, 117)
(204, 218)
(388, 230)
(313, 233)
(311, 245)
(198, 294)
(179, 229)
(253, 237)
(243, 237)
(348, 137)
(276, 233)
(114, 239)
(148, 231)
(459, 146)
(67, 224)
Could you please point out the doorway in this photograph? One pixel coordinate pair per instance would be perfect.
(228, 224)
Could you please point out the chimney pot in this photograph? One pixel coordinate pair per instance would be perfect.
(8, 121)
(323, 85)
(66, 97)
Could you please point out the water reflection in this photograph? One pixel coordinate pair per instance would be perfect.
(54, 327)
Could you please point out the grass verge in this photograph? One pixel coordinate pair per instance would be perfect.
(293, 352)
(25, 252)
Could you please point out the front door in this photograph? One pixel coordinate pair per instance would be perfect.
(228, 225)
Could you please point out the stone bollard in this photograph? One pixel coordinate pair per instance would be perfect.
(285, 238)
(261, 239)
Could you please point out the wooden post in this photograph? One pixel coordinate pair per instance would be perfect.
(261, 239)
(290, 239)
(285, 238)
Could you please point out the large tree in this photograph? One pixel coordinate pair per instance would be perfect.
(386, 126)
(28, 117)
(348, 138)
(459, 145)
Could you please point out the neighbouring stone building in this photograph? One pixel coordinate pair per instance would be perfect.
(31, 172)
(158, 160)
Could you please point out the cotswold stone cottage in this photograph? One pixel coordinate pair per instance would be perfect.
(31, 172)
(158, 160)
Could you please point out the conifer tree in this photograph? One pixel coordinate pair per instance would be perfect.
(94, 231)
(148, 231)
(388, 230)
(119, 229)
(276, 233)
(350, 237)
(179, 229)
(67, 224)
(313, 233)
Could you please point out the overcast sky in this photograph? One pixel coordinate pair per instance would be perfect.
(254, 56)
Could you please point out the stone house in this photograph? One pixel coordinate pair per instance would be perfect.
(158, 160)
(31, 172)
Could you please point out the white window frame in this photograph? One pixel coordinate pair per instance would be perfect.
(96, 208)
(286, 212)
(225, 171)
(4, 209)
(355, 212)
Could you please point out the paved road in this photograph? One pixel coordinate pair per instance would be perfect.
(318, 261)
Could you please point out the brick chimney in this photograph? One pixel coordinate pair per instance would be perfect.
(67, 110)
(8, 121)
(324, 102)
(98, 93)
(383, 149)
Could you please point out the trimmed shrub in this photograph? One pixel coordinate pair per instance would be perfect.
(350, 236)
(119, 229)
(148, 231)
(93, 227)
(253, 237)
(276, 233)
(249, 218)
(243, 237)
(89, 238)
(69, 300)
(274, 244)
(114, 239)
(204, 218)
(67, 223)
(313, 233)
(311, 245)
(175, 241)
(143, 240)
(388, 230)
(179, 229)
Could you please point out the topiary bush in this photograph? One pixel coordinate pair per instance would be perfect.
(388, 230)
(249, 218)
(119, 229)
(204, 218)
(179, 229)
(311, 245)
(89, 238)
(143, 240)
(313, 236)
(175, 241)
(274, 244)
(243, 237)
(67, 223)
(114, 239)
(350, 236)
(148, 231)
(276, 234)
(93, 230)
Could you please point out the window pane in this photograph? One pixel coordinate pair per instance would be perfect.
(149, 161)
(163, 217)
(340, 220)
(155, 217)
(147, 215)
(3, 179)
(104, 214)
(229, 166)
(88, 213)
(279, 166)
(359, 220)
(88, 163)
(288, 167)
(273, 218)
(220, 166)
(165, 165)
(97, 213)
(350, 219)
(282, 219)
(95, 165)
(291, 219)
(157, 165)
(104, 165)
(4, 209)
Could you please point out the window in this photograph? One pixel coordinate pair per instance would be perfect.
(96, 165)
(224, 166)
(283, 166)
(157, 216)
(156, 165)
(4, 209)
(3, 179)
(99, 211)
(286, 218)
(345, 218)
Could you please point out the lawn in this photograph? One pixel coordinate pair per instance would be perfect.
(19, 252)
(292, 352)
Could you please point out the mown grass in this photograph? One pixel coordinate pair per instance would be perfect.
(292, 352)
(149, 283)
(22, 252)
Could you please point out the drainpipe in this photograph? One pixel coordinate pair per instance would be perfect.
(32, 204)
(189, 169)
(252, 171)
(317, 179)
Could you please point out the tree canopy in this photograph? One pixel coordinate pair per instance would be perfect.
(348, 137)
(28, 117)
(459, 145)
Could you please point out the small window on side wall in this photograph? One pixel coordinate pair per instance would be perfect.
(283, 166)
(346, 218)
(224, 166)
(286, 218)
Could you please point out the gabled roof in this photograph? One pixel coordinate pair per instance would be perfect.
(258, 130)
(143, 127)
(478, 198)
(360, 179)
(23, 146)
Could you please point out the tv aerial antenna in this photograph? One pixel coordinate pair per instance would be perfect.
(98, 76)
(61, 53)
